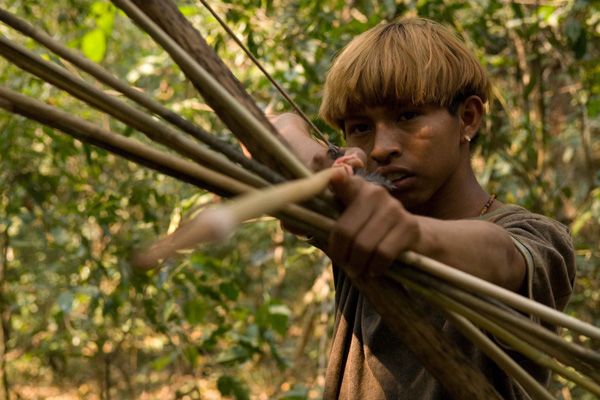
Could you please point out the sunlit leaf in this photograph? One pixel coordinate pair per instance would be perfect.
(278, 318)
(93, 45)
(194, 311)
(191, 355)
(161, 363)
(236, 354)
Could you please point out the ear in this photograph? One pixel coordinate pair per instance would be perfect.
(470, 113)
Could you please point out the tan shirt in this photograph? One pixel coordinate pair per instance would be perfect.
(367, 361)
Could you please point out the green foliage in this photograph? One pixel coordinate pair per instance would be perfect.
(93, 45)
(231, 386)
(249, 319)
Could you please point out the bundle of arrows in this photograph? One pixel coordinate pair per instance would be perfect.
(275, 182)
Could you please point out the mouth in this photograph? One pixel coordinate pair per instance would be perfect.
(400, 180)
(397, 176)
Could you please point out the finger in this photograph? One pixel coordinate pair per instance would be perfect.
(387, 251)
(367, 241)
(398, 240)
(351, 159)
(358, 153)
(358, 217)
(346, 187)
(342, 236)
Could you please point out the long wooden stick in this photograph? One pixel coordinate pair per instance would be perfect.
(500, 357)
(157, 131)
(320, 135)
(200, 76)
(517, 344)
(167, 15)
(219, 222)
(123, 146)
(139, 97)
(583, 359)
(146, 155)
(476, 285)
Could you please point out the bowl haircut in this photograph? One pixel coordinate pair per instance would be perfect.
(410, 61)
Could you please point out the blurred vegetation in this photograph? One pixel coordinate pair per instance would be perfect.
(250, 318)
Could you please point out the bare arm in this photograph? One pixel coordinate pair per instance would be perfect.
(296, 133)
(480, 248)
(375, 229)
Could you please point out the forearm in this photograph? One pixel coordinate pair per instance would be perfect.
(296, 133)
(479, 248)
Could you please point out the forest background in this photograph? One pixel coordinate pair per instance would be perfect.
(251, 318)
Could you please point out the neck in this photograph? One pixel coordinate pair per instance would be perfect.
(460, 197)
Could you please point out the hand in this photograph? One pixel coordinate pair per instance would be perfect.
(296, 133)
(373, 230)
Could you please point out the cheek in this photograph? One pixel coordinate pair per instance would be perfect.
(436, 156)
(439, 140)
(421, 146)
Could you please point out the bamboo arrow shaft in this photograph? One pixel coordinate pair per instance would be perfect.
(217, 223)
(139, 97)
(519, 345)
(472, 283)
(155, 130)
(141, 153)
(492, 350)
(244, 117)
(573, 354)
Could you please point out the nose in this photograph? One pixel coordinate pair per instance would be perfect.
(386, 146)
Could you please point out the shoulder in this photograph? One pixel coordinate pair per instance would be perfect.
(516, 219)
(547, 247)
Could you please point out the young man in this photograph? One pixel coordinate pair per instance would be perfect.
(409, 97)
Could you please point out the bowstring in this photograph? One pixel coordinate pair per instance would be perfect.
(332, 150)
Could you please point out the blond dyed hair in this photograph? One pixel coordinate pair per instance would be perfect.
(414, 60)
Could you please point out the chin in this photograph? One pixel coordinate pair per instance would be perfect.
(411, 201)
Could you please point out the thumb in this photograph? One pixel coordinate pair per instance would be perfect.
(359, 156)
(345, 186)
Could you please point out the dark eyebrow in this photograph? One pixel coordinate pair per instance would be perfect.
(353, 116)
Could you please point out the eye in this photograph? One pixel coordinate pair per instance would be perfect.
(407, 116)
(358, 128)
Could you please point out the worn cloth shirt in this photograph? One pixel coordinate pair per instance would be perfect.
(367, 361)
